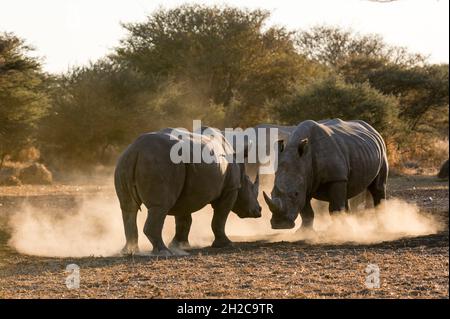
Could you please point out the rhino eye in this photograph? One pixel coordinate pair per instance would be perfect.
(293, 195)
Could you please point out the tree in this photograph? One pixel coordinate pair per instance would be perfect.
(225, 52)
(419, 88)
(94, 108)
(333, 46)
(333, 98)
(392, 70)
(176, 104)
(23, 97)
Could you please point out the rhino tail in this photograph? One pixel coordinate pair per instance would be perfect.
(125, 179)
(132, 181)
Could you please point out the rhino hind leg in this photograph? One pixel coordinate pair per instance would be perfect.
(131, 232)
(182, 227)
(369, 202)
(378, 192)
(378, 187)
(153, 230)
(129, 214)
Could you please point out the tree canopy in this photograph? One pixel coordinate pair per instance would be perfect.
(227, 53)
(226, 66)
(23, 98)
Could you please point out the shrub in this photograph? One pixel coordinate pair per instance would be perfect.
(333, 98)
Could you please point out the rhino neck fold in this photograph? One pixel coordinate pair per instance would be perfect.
(312, 179)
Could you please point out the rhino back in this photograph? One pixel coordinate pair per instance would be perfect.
(204, 182)
(146, 172)
(157, 180)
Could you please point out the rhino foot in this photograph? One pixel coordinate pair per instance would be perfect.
(129, 250)
(162, 252)
(180, 244)
(222, 243)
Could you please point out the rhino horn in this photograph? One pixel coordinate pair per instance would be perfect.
(273, 205)
(256, 184)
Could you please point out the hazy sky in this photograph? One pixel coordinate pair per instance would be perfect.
(72, 32)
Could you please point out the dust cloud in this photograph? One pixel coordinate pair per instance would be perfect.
(392, 220)
(95, 228)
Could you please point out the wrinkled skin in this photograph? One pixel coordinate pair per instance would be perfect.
(330, 160)
(145, 174)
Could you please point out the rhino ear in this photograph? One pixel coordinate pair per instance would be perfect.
(256, 185)
(247, 148)
(302, 147)
(280, 144)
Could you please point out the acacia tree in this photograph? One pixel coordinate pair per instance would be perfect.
(225, 52)
(23, 97)
(333, 46)
(419, 86)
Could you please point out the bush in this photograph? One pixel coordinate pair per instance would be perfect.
(333, 98)
(94, 109)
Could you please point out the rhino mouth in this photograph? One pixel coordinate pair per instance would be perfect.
(256, 213)
(282, 223)
(279, 219)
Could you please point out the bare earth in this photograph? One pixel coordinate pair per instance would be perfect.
(409, 268)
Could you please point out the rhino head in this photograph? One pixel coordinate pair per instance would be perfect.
(246, 204)
(291, 184)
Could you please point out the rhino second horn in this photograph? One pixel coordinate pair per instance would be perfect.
(273, 206)
(256, 184)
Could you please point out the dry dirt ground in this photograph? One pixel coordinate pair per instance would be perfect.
(409, 268)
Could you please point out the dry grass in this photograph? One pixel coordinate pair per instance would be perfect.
(409, 267)
(425, 158)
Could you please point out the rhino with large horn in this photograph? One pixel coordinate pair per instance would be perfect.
(329, 160)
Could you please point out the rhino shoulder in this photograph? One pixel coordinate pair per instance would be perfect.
(329, 159)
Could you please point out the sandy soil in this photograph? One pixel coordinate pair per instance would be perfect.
(415, 267)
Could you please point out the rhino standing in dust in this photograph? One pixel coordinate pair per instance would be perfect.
(329, 160)
(146, 173)
(283, 132)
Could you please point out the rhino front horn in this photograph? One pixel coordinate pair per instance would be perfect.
(274, 208)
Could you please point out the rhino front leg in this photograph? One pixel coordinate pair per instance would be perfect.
(222, 208)
(307, 214)
(218, 226)
(338, 197)
(182, 227)
(153, 229)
